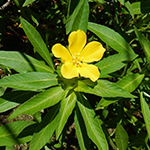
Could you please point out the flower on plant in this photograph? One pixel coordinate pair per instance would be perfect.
(77, 57)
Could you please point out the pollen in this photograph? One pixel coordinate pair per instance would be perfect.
(77, 60)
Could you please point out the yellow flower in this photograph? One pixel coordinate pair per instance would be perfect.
(76, 57)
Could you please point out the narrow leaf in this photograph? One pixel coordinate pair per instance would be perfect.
(45, 129)
(130, 8)
(77, 16)
(14, 98)
(103, 88)
(9, 133)
(37, 41)
(30, 80)
(92, 123)
(43, 100)
(22, 62)
(27, 2)
(121, 138)
(145, 43)
(67, 106)
(81, 131)
(117, 60)
(112, 38)
(146, 113)
(129, 83)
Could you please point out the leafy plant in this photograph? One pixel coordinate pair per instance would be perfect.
(106, 112)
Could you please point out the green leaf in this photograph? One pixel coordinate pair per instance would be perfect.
(43, 100)
(2, 90)
(145, 43)
(45, 129)
(22, 62)
(67, 106)
(81, 131)
(113, 39)
(130, 8)
(117, 60)
(141, 7)
(37, 41)
(77, 16)
(121, 1)
(27, 2)
(128, 83)
(9, 133)
(146, 113)
(30, 80)
(121, 138)
(92, 123)
(14, 98)
(103, 88)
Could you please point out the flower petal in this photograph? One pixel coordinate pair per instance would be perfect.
(60, 51)
(89, 71)
(93, 51)
(68, 71)
(77, 41)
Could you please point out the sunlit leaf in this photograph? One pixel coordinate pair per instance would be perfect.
(145, 43)
(129, 83)
(77, 15)
(81, 131)
(30, 80)
(92, 123)
(67, 106)
(9, 133)
(117, 60)
(27, 2)
(45, 129)
(43, 100)
(37, 41)
(14, 98)
(103, 88)
(146, 113)
(121, 138)
(113, 39)
(22, 62)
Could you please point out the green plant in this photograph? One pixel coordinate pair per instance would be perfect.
(106, 113)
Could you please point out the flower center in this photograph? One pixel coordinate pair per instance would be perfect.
(77, 60)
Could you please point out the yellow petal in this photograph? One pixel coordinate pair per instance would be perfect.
(93, 51)
(60, 51)
(77, 41)
(68, 71)
(89, 71)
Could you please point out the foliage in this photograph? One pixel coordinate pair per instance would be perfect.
(111, 113)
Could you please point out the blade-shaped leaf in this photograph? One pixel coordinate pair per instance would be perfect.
(77, 15)
(92, 123)
(43, 100)
(141, 7)
(129, 83)
(30, 80)
(130, 8)
(67, 106)
(22, 62)
(117, 60)
(145, 43)
(81, 131)
(121, 138)
(2, 90)
(9, 133)
(113, 39)
(27, 2)
(37, 41)
(45, 129)
(14, 98)
(103, 88)
(146, 113)
(121, 1)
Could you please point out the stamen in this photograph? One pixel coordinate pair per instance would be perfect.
(76, 60)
